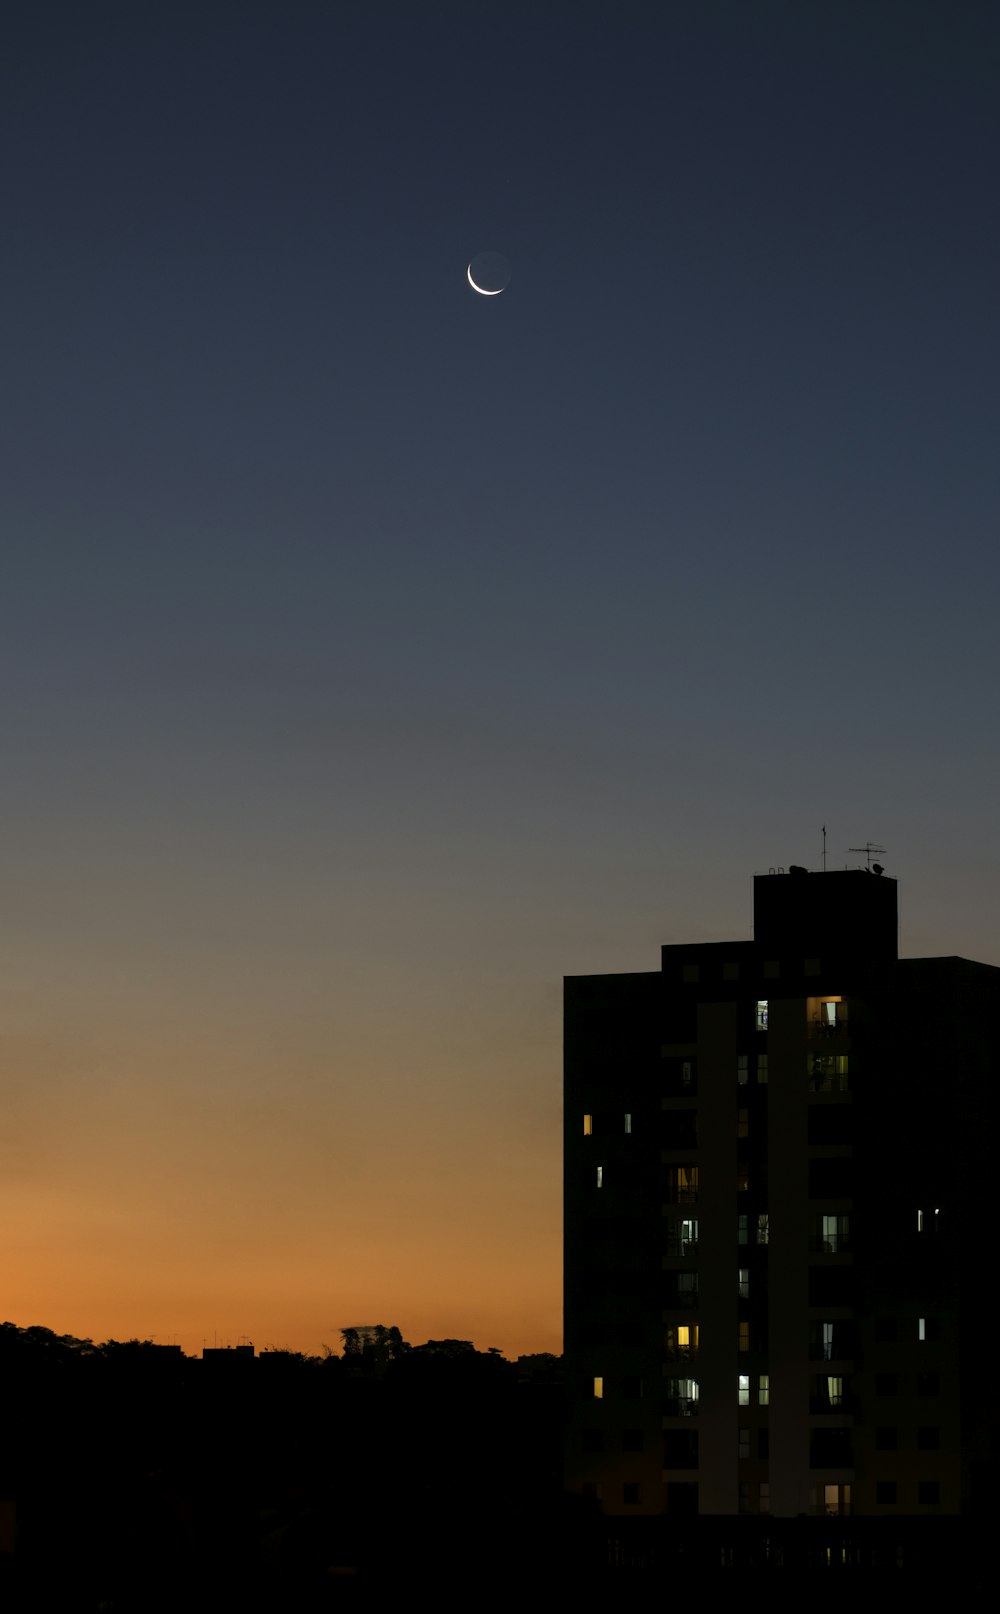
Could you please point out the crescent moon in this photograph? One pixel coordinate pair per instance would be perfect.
(482, 292)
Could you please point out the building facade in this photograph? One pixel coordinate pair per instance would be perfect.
(777, 1161)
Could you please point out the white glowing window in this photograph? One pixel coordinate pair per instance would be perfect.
(744, 1285)
(834, 1391)
(628, 1122)
(921, 1327)
(600, 1176)
(743, 1389)
(588, 1126)
(764, 1389)
(827, 1342)
(763, 1228)
(762, 1014)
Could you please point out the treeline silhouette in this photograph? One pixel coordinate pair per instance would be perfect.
(135, 1477)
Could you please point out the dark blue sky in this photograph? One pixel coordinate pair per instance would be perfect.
(377, 652)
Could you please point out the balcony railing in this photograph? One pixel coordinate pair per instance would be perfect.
(680, 1406)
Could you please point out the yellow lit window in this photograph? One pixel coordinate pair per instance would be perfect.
(588, 1126)
(598, 1389)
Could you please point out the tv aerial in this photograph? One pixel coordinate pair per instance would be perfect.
(870, 851)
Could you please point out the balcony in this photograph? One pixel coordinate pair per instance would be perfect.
(680, 1406)
(828, 1073)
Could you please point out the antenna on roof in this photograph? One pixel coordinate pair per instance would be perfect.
(869, 850)
(824, 848)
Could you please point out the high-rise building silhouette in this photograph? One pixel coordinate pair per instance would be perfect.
(778, 1195)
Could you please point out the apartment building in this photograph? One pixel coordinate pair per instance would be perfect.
(777, 1175)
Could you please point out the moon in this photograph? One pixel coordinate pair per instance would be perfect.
(482, 289)
(488, 273)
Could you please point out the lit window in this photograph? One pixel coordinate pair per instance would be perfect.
(836, 1499)
(600, 1176)
(743, 1389)
(745, 1339)
(744, 1445)
(599, 1389)
(742, 1123)
(682, 1340)
(826, 1342)
(628, 1122)
(763, 1228)
(684, 1236)
(687, 1073)
(764, 1390)
(744, 1289)
(682, 1184)
(762, 1014)
(588, 1126)
(920, 1221)
(834, 1391)
(835, 1234)
(762, 1070)
(682, 1398)
(921, 1327)
(828, 1073)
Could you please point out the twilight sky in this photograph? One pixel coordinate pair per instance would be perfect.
(373, 654)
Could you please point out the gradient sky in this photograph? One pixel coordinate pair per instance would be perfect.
(373, 654)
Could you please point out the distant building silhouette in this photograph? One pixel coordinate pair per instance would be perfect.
(778, 1176)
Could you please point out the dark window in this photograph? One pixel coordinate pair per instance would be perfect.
(679, 1129)
(928, 1438)
(885, 1330)
(680, 1448)
(886, 1384)
(762, 1444)
(681, 1497)
(830, 1286)
(886, 1439)
(831, 1123)
(928, 1383)
(885, 1490)
(928, 1491)
(631, 1493)
(631, 1440)
(830, 1448)
(830, 1179)
(593, 1440)
(632, 1388)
